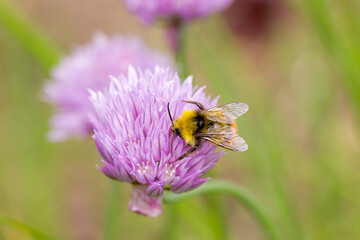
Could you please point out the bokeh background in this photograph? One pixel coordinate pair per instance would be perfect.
(296, 63)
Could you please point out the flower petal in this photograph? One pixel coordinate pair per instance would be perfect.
(142, 204)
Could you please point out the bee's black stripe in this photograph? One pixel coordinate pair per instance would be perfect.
(200, 123)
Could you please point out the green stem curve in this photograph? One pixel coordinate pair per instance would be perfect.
(28, 35)
(36, 234)
(241, 194)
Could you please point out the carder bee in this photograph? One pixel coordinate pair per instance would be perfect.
(216, 125)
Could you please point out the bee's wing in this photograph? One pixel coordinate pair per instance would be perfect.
(226, 113)
(224, 136)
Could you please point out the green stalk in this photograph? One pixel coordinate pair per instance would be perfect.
(241, 194)
(171, 229)
(112, 214)
(175, 34)
(180, 52)
(28, 35)
(36, 234)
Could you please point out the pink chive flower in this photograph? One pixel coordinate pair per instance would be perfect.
(132, 132)
(175, 13)
(149, 10)
(89, 67)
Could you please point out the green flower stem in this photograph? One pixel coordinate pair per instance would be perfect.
(177, 27)
(241, 194)
(180, 53)
(36, 234)
(171, 224)
(112, 213)
(28, 35)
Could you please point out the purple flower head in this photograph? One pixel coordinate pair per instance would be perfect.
(133, 134)
(149, 10)
(89, 67)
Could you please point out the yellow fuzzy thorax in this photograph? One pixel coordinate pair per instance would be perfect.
(187, 126)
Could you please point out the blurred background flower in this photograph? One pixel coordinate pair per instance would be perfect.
(184, 10)
(175, 14)
(254, 19)
(132, 133)
(89, 67)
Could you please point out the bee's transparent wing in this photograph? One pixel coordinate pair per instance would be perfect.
(224, 136)
(238, 145)
(226, 113)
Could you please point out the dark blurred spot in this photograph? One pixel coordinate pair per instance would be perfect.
(253, 18)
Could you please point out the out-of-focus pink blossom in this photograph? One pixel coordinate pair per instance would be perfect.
(150, 10)
(89, 67)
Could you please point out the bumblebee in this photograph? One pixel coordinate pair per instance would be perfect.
(216, 125)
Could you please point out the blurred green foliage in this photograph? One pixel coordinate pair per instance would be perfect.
(302, 83)
(32, 39)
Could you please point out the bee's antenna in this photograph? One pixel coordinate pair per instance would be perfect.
(168, 108)
(172, 122)
(172, 140)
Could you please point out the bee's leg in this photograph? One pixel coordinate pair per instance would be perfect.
(199, 105)
(191, 150)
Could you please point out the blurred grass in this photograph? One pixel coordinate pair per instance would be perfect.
(337, 25)
(32, 39)
(36, 234)
(112, 214)
(24, 161)
(303, 92)
(244, 197)
(266, 149)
